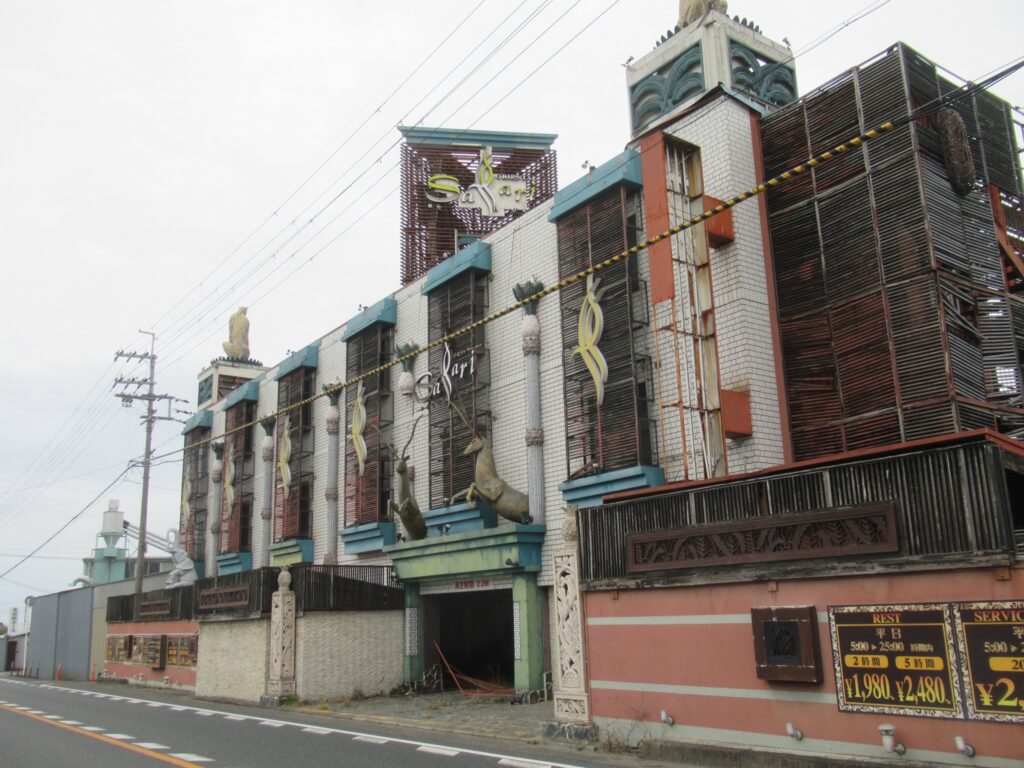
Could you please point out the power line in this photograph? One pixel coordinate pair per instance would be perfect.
(64, 527)
(759, 189)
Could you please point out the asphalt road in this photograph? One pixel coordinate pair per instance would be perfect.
(45, 725)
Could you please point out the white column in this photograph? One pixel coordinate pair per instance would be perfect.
(213, 518)
(331, 492)
(534, 430)
(267, 514)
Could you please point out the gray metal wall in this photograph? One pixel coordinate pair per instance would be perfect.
(43, 639)
(61, 625)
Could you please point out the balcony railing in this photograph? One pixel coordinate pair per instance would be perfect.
(157, 605)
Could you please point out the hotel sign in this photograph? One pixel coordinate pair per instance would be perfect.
(895, 659)
(451, 373)
(224, 597)
(991, 638)
(493, 194)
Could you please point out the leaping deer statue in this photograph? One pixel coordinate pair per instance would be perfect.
(507, 501)
(407, 508)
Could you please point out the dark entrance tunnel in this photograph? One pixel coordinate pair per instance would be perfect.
(474, 631)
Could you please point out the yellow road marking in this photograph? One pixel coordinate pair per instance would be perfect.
(106, 739)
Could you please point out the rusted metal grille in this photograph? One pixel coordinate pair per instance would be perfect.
(236, 528)
(622, 431)
(367, 495)
(454, 305)
(433, 231)
(195, 483)
(293, 511)
(892, 297)
(949, 501)
(156, 605)
(240, 594)
(346, 588)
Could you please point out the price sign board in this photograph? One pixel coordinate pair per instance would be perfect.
(991, 640)
(895, 659)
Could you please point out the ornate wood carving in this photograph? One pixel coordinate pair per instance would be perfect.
(842, 532)
(571, 695)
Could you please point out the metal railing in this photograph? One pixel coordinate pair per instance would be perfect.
(346, 588)
(316, 587)
(950, 501)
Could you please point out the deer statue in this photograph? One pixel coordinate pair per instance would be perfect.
(507, 501)
(407, 508)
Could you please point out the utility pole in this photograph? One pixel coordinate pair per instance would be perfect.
(150, 419)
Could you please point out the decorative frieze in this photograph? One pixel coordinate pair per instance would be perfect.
(848, 531)
(535, 436)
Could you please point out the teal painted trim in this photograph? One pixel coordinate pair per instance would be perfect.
(234, 562)
(455, 136)
(384, 312)
(661, 92)
(590, 491)
(201, 420)
(475, 256)
(291, 552)
(621, 169)
(460, 518)
(248, 391)
(489, 551)
(200, 569)
(369, 537)
(307, 357)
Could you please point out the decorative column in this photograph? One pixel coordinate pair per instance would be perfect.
(267, 515)
(413, 668)
(571, 699)
(282, 640)
(534, 430)
(213, 540)
(331, 491)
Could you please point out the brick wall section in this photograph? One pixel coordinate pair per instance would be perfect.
(338, 654)
(233, 660)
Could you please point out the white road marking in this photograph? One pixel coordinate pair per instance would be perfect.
(150, 745)
(510, 761)
(54, 717)
(189, 757)
(121, 736)
(24, 709)
(438, 750)
(371, 739)
(235, 717)
(72, 722)
(155, 704)
(36, 712)
(93, 728)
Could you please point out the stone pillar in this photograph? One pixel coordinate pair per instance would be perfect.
(214, 516)
(413, 668)
(527, 633)
(572, 704)
(331, 491)
(282, 640)
(267, 515)
(534, 428)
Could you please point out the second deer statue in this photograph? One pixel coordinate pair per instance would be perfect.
(507, 501)
(407, 508)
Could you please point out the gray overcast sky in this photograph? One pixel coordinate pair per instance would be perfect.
(150, 152)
